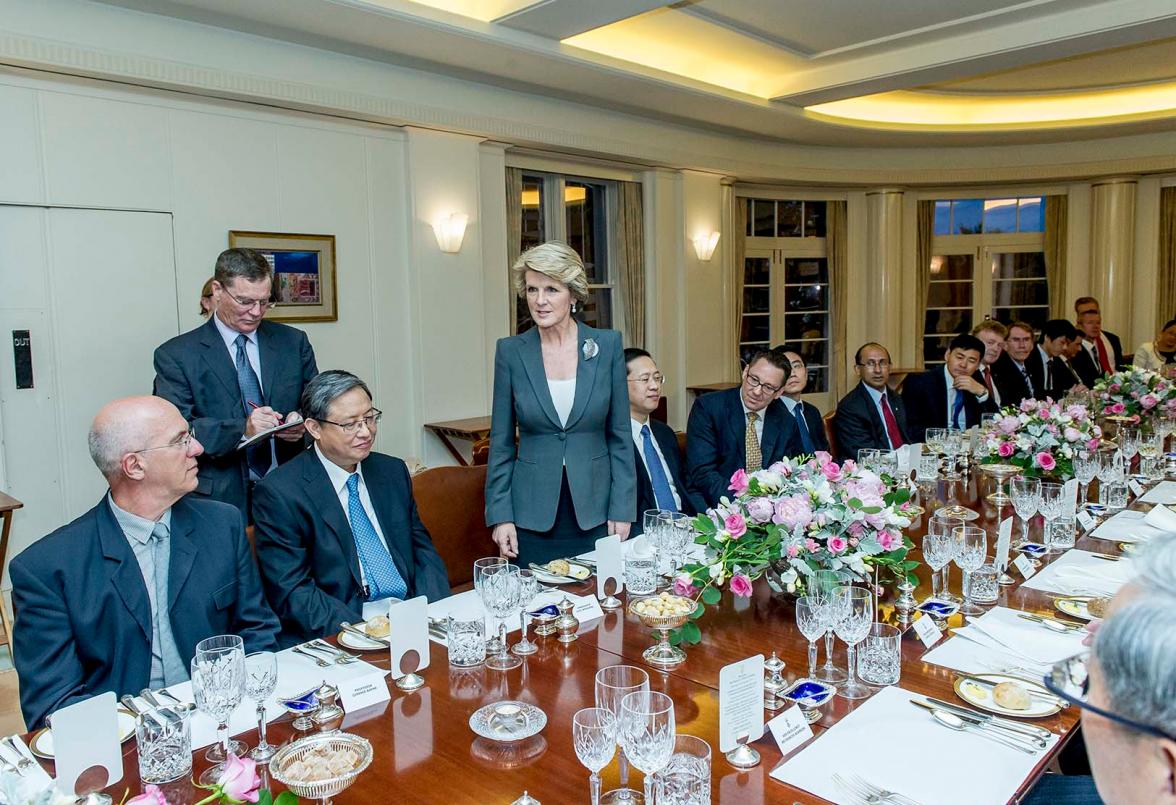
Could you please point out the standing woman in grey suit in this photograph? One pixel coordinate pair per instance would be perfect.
(570, 479)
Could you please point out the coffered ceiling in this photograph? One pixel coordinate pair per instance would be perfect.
(877, 73)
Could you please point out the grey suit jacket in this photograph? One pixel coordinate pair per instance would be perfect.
(595, 447)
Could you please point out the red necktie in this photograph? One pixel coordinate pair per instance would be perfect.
(891, 425)
(988, 379)
(1103, 359)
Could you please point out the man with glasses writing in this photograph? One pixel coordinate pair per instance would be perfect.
(870, 416)
(236, 376)
(739, 429)
(338, 534)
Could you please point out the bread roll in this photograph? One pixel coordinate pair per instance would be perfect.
(1011, 696)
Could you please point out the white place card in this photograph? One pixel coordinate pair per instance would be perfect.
(1136, 488)
(790, 729)
(85, 735)
(610, 564)
(410, 632)
(1025, 565)
(1085, 520)
(1003, 541)
(927, 630)
(363, 691)
(741, 702)
(1070, 497)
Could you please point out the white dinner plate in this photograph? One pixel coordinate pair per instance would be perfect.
(981, 696)
(356, 643)
(41, 743)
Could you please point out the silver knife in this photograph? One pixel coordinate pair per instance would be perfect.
(347, 627)
(1056, 624)
(1022, 741)
(1014, 726)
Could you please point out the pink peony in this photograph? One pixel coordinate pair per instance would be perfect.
(1045, 461)
(739, 482)
(1028, 405)
(684, 586)
(1072, 434)
(1005, 449)
(741, 585)
(1008, 425)
(1149, 401)
(856, 528)
(760, 510)
(888, 540)
(736, 525)
(239, 780)
(151, 796)
(837, 545)
(793, 511)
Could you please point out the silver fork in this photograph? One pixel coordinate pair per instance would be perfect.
(319, 661)
(341, 657)
(23, 761)
(882, 794)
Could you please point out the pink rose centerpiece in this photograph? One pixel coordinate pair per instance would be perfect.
(1137, 393)
(792, 519)
(1041, 437)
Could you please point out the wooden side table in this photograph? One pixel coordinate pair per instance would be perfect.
(8, 505)
(466, 430)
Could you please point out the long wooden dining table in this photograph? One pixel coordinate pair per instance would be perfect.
(425, 751)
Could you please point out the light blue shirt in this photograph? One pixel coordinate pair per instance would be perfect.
(253, 355)
(876, 396)
(167, 667)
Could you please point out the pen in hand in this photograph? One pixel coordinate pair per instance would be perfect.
(255, 406)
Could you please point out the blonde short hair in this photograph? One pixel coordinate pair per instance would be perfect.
(991, 325)
(555, 260)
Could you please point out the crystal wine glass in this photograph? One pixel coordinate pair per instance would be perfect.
(1085, 470)
(821, 586)
(971, 551)
(937, 553)
(1111, 471)
(261, 677)
(855, 614)
(1051, 503)
(655, 532)
(480, 568)
(1129, 442)
(528, 589)
(646, 729)
(942, 524)
(1026, 494)
(501, 595)
(936, 439)
(811, 620)
(952, 446)
(614, 683)
(594, 737)
(218, 685)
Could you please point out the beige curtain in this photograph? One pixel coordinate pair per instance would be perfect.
(737, 207)
(1166, 302)
(630, 229)
(836, 236)
(1055, 254)
(514, 215)
(925, 233)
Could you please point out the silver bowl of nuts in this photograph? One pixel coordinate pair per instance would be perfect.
(663, 612)
(322, 765)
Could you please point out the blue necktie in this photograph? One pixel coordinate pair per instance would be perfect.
(259, 455)
(382, 575)
(657, 474)
(806, 438)
(956, 408)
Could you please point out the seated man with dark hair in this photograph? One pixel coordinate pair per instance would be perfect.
(657, 459)
(1057, 337)
(338, 532)
(809, 424)
(870, 415)
(948, 396)
(739, 429)
(118, 599)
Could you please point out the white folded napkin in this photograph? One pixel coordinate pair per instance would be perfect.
(1025, 637)
(34, 777)
(1082, 573)
(1162, 518)
(1127, 526)
(1163, 492)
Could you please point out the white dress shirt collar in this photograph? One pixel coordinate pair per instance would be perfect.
(230, 335)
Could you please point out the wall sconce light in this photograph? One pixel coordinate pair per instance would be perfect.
(704, 246)
(450, 232)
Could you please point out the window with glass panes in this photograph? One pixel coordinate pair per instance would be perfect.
(987, 263)
(574, 210)
(786, 283)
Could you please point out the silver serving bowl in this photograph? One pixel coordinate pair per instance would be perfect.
(326, 788)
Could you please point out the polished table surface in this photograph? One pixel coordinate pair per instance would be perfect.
(426, 753)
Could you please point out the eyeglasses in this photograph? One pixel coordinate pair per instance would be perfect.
(247, 304)
(183, 442)
(882, 364)
(657, 379)
(352, 427)
(754, 383)
(1070, 680)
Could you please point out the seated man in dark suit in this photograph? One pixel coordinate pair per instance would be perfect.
(118, 599)
(948, 396)
(1057, 336)
(337, 531)
(809, 425)
(1026, 367)
(739, 429)
(657, 459)
(1080, 364)
(1104, 348)
(870, 416)
(235, 376)
(1003, 382)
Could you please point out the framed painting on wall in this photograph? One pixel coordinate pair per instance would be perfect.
(304, 273)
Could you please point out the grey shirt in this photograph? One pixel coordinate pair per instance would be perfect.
(167, 667)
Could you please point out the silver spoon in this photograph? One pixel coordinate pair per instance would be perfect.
(958, 724)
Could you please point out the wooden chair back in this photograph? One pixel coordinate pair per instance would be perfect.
(452, 503)
(830, 434)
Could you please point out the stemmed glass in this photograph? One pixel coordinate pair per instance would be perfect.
(1129, 443)
(1111, 471)
(493, 646)
(676, 532)
(501, 595)
(613, 684)
(261, 677)
(938, 550)
(821, 587)
(1051, 503)
(594, 736)
(811, 619)
(1085, 470)
(646, 729)
(941, 524)
(528, 589)
(854, 615)
(654, 528)
(952, 446)
(1026, 494)
(218, 685)
(935, 440)
(971, 551)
